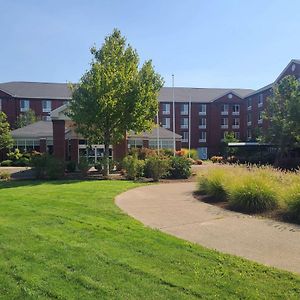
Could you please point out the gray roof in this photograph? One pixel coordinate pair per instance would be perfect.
(38, 90)
(201, 95)
(269, 86)
(163, 134)
(46, 90)
(38, 130)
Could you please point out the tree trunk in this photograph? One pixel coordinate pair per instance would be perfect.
(106, 160)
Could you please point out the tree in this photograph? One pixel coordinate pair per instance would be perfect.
(229, 138)
(26, 118)
(283, 114)
(115, 95)
(6, 140)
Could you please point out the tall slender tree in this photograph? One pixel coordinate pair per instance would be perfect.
(6, 140)
(115, 95)
(283, 115)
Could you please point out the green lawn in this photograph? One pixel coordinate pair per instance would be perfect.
(67, 240)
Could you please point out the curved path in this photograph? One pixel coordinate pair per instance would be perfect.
(173, 209)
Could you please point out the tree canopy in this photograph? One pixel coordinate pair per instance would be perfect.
(26, 118)
(6, 140)
(115, 95)
(283, 115)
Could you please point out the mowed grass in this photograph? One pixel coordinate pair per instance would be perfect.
(68, 240)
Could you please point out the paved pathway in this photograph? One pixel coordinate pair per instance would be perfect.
(173, 209)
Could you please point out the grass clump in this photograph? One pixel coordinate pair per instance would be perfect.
(253, 195)
(293, 203)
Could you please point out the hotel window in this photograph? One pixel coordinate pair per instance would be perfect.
(185, 137)
(260, 100)
(202, 123)
(237, 135)
(249, 103)
(236, 123)
(236, 109)
(225, 108)
(46, 105)
(249, 134)
(166, 123)
(260, 117)
(184, 109)
(166, 108)
(202, 109)
(249, 119)
(184, 123)
(202, 138)
(224, 123)
(0, 104)
(24, 105)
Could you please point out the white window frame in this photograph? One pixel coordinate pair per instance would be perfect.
(202, 112)
(184, 109)
(184, 123)
(236, 123)
(47, 106)
(185, 137)
(224, 112)
(166, 107)
(249, 123)
(234, 112)
(249, 107)
(203, 123)
(203, 137)
(166, 123)
(260, 100)
(24, 105)
(224, 125)
(260, 118)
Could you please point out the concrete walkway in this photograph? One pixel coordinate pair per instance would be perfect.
(173, 209)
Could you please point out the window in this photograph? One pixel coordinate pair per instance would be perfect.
(184, 109)
(236, 123)
(184, 123)
(237, 135)
(224, 123)
(202, 138)
(249, 134)
(249, 103)
(202, 123)
(260, 100)
(0, 104)
(46, 105)
(249, 119)
(224, 110)
(185, 137)
(166, 123)
(24, 105)
(166, 108)
(236, 109)
(260, 117)
(202, 109)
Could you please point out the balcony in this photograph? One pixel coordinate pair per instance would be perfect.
(260, 121)
(249, 107)
(235, 113)
(184, 113)
(249, 123)
(183, 126)
(235, 126)
(224, 126)
(202, 126)
(202, 140)
(23, 109)
(224, 113)
(165, 112)
(202, 113)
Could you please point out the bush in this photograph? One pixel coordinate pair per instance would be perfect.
(199, 162)
(22, 162)
(4, 176)
(193, 153)
(180, 167)
(47, 166)
(99, 166)
(142, 153)
(253, 195)
(213, 184)
(14, 155)
(217, 159)
(293, 202)
(133, 166)
(83, 165)
(157, 167)
(6, 163)
(71, 166)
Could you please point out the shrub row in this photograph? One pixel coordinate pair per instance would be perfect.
(253, 189)
(16, 159)
(156, 167)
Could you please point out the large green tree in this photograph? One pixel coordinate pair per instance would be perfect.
(6, 140)
(26, 118)
(283, 116)
(115, 95)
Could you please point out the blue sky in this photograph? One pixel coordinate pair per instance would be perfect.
(216, 43)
